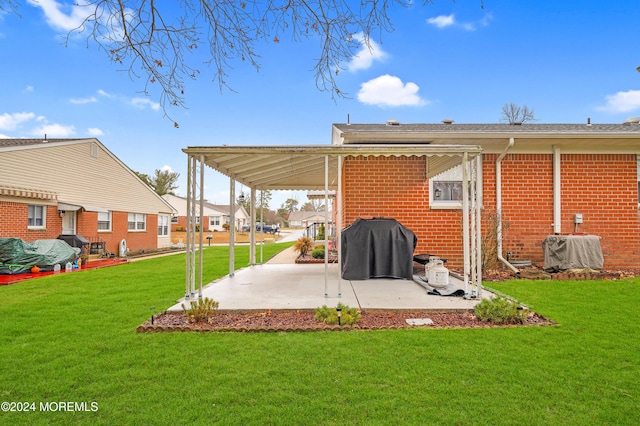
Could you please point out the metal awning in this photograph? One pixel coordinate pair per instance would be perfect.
(314, 168)
(75, 207)
(303, 167)
(14, 191)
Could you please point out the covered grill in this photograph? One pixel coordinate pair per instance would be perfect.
(75, 240)
(377, 248)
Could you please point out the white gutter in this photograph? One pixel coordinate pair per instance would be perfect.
(499, 206)
(557, 222)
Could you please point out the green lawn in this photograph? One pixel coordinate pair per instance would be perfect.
(71, 338)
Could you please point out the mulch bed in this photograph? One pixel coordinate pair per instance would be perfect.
(282, 321)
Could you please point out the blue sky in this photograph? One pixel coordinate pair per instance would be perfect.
(567, 60)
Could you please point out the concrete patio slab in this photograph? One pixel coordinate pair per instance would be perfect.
(303, 286)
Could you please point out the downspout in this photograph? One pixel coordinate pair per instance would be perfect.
(557, 209)
(499, 207)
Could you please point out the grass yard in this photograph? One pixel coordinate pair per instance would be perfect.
(71, 338)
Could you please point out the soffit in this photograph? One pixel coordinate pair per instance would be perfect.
(303, 167)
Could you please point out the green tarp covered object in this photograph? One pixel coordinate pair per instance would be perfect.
(17, 256)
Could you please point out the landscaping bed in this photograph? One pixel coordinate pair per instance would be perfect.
(251, 321)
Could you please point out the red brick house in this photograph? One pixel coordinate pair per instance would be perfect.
(522, 182)
(51, 187)
(545, 174)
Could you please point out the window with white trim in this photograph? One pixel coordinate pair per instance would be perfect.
(37, 217)
(137, 222)
(104, 221)
(214, 220)
(174, 219)
(163, 225)
(445, 189)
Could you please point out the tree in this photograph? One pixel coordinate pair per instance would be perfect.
(144, 177)
(515, 114)
(162, 182)
(290, 205)
(313, 206)
(156, 41)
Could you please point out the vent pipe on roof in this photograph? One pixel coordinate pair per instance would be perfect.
(589, 121)
(393, 122)
(448, 121)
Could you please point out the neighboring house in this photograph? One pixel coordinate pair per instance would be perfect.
(303, 219)
(215, 215)
(50, 187)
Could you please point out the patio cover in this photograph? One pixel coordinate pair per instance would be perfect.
(304, 167)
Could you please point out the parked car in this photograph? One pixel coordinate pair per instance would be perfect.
(263, 227)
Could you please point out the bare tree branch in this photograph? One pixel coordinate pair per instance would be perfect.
(156, 41)
(515, 114)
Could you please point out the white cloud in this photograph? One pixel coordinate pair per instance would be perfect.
(622, 102)
(61, 17)
(94, 131)
(29, 89)
(442, 21)
(366, 55)
(144, 102)
(82, 101)
(12, 121)
(103, 93)
(54, 131)
(167, 168)
(388, 90)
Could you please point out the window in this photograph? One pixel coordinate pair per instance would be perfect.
(104, 221)
(137, 222)
(214, 220)
(163, 225)
(37, 216)
(174, 219)
(445, 189)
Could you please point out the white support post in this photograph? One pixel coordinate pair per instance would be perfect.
(465, 221)
(200, 253)
(232, 226)
(479, 198)
(472, 224)
(188, 270)
(338, 235)
(252, 227)
(326, 225)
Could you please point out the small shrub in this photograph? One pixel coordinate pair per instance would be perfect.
(321, 232)
(330, 315)
(303, 245)
(500, 310)
(201, 311)
(225, 226)
(318, 252)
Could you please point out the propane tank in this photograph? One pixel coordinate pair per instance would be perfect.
(438, 274)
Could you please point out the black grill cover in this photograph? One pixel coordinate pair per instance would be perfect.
(377, 248)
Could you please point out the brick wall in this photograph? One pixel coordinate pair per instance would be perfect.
(395, 187)
(14, 222)
(602, 187)
(14, 216)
